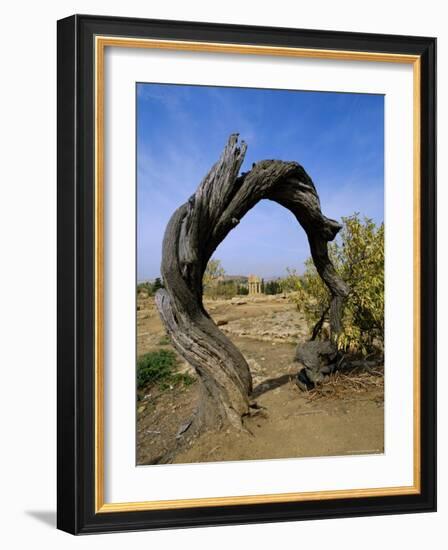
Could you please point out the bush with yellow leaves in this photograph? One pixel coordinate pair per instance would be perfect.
(358, 256)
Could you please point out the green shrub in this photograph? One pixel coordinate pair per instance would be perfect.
(145, 289)
(272, 287)
(358, 257)
(158, 367)
(292, 282)
(155, 366)
(149, 289)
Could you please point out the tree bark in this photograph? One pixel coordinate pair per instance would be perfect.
(193, 234)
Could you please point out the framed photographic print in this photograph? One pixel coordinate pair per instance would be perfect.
(246, 274)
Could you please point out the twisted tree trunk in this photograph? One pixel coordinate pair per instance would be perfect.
(192, 235)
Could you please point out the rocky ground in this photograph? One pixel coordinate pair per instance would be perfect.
(344, 417)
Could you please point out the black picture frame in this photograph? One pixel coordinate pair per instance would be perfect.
(76, 286)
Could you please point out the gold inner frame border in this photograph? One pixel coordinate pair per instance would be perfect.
(100, 44)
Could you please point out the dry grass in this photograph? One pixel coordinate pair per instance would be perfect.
(342, 385)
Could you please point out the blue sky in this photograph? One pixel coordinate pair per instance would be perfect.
(181, 130)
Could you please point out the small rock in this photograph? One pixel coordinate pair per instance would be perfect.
(238, 301)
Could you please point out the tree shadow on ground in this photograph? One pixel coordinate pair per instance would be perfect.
(270, 384)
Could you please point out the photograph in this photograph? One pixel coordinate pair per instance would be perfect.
(260, 273)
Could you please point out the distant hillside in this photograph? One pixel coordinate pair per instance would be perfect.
(236, 278)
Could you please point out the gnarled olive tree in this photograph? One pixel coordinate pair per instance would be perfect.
(192, 235)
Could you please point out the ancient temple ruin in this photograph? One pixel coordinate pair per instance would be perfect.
(254, 283)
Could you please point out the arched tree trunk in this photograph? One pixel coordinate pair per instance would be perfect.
(192, 235)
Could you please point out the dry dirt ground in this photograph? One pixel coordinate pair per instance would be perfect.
(344, 417)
